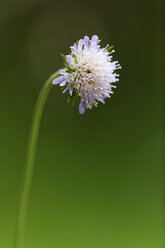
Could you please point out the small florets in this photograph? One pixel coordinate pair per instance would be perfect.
(90, 72)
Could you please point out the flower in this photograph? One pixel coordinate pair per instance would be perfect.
(89, 73)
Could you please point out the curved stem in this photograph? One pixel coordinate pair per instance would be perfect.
(29, 163)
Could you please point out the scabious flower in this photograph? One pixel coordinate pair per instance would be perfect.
(89, 73)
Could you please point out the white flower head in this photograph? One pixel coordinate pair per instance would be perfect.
(90, 73)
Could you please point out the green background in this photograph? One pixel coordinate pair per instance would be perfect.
(98, 179)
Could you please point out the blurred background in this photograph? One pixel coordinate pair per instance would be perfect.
(98, 179)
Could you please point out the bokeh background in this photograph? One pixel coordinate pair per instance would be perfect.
(98, 179)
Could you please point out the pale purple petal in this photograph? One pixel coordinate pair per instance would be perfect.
(72, 49)
(86, 41)
(62, 72)
(81, 108)
(80, 43)
(68, 57)
(63, 82)
(75, 45)
(58, 80)
(94, 41)
(95, 38)
(65, 90)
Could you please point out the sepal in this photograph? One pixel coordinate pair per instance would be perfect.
(109, 48)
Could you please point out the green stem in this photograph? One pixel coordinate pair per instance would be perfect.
(29, 163)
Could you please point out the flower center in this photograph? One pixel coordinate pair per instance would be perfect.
(88, 71)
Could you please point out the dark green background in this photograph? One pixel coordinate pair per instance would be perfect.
(98, 180)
